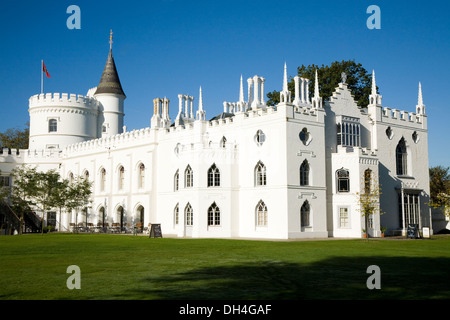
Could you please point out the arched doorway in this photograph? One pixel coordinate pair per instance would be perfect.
(188, 220)
(102, 219)
(140, 218)
(120, 218)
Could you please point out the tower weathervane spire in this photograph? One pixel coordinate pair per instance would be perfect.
(110, 39)
(109, 82)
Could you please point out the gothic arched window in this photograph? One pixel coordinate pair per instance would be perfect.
(367, 180)
(260, 174)
(401, 157)
(304, 173)
(176, 181)
(176, 214)
(304, 214)
(102, 179)
(189, 214)
(213, 215)
(213, 176)
(121, 178)
(261, 214)
(188, 177)
(141, 177)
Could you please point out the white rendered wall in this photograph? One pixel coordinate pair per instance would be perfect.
(313, 151)
(112, 114)
(417, 177)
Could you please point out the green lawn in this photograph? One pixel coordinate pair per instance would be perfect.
(138, 267)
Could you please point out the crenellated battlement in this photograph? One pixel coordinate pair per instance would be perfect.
(117, 140)
(62, 100)
(134, 136)
(10, 152)
(306, 110)
(401, 117)
(8, 155)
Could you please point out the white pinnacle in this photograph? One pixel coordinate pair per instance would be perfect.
(241, 92)
(420, 98)
(200, 100)
(285, 83)
(374, 85)
(316, 86)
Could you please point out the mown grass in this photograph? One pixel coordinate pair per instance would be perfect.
(136, 267)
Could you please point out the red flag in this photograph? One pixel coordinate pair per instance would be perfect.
(44, 69)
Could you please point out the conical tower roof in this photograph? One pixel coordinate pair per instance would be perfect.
(110, 82)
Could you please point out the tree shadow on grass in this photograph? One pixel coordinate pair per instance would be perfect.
(336, 278)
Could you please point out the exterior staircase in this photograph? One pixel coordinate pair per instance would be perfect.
(10, 221)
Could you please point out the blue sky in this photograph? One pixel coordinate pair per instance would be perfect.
(166, 47)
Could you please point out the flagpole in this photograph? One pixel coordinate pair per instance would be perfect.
(42, 76)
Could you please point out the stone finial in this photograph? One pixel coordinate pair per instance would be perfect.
(344, 77)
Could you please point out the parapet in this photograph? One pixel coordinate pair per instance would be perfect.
(402, 117)
(105, 143)
(8, 155)
(62, 100)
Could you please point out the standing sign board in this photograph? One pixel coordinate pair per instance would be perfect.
(155, 231)
(426, 232)
(412, 231)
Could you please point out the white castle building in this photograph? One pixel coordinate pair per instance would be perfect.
(254, 171)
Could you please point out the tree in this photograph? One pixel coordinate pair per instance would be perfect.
(23, 190)
(369, 200)
(358, 80)
(15, 138)
(46, 186)
(45, 191)
(61, 197)
(4, 191)
(79, 192)
(440, 188)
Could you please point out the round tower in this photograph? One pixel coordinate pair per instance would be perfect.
(57, 120)
(110, 95)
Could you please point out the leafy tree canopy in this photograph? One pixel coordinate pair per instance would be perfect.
(439, 186)
(359, 81)
(15, 138)
(46, 190)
